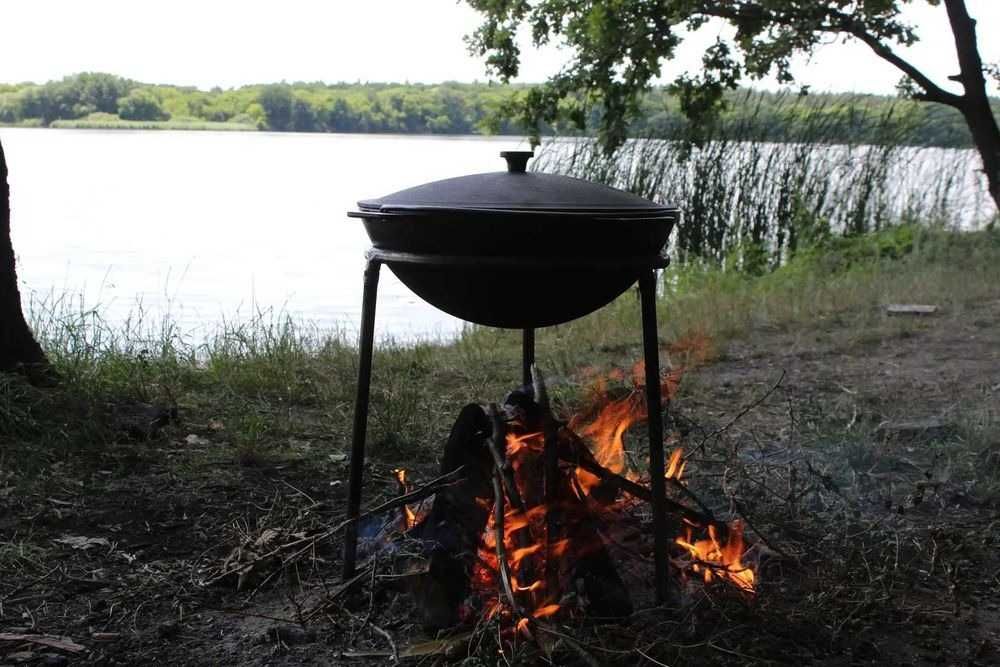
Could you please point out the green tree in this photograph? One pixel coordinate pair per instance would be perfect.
(141, 104)
(10, 108)
(303, 116)
(96, 91)
(277, 103)
(619, 46)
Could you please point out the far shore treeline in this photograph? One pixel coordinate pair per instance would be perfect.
(106, 101)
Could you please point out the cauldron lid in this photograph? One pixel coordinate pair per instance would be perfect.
(516, 191)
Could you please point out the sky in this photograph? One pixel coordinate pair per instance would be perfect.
(229, 43)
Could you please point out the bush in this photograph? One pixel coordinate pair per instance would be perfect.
(8, 108)
(276, 100)
(141, 104)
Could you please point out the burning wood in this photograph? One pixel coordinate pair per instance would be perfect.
(527, 537)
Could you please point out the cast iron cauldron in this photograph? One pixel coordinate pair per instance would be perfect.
(517, 249)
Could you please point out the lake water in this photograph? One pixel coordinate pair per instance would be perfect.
(206, 226)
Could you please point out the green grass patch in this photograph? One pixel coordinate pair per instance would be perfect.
(113, 123)
(271, 381)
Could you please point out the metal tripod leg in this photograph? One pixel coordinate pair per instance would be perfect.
(360, 428)
(527, 355)
(651, 354)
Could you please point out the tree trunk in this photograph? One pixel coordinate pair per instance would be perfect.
(986, 136)
(18, 348)
(975, 106)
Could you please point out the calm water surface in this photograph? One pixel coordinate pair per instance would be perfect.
(205, 226)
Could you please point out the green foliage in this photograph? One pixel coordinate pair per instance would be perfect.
(836, 254)
(276, 101)
(619, 47)
(456, 108)
(141, 104)
(72, 97)
(102, 121)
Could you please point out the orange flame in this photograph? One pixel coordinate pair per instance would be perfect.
(547, 610)
(607, 430)
(534, 562)
(409, 516)
(675, 467)
(710, 557)
(520, 554)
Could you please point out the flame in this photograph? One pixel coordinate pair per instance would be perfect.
(607, 419)
(534, 586)
(409, 516)
(607, 430)
(537, 562)
(519, 554)
(516, 443)
(547, 610)
(675, 466)
(710, 557)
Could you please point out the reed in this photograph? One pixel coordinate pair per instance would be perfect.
(751, 197)
(119, 124)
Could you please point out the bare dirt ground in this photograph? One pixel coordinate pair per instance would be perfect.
(872, 469)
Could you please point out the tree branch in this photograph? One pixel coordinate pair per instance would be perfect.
(842, 23)
(932, 91)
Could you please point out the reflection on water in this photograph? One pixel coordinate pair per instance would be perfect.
(205, 226)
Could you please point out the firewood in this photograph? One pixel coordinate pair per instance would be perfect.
(637, 490)
(550, 429)
(452, 529)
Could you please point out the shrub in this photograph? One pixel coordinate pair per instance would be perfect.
(141, 104)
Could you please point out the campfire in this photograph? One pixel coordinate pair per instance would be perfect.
(545, 520)
(536, 519)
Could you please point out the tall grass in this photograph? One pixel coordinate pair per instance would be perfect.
(751, 201)
(115, 123)
(272, 380)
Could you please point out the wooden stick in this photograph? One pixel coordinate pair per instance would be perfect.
(680, 486)
(639, 491)
(502, 567)
(428, 489)
(337, 592)
(550, 453)
(498, 447)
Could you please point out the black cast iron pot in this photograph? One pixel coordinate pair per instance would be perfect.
(516, 249)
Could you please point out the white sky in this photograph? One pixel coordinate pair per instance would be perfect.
(234, 42)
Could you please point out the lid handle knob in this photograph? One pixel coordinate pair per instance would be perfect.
(517, 161)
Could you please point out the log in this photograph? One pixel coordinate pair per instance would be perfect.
(452, 529)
